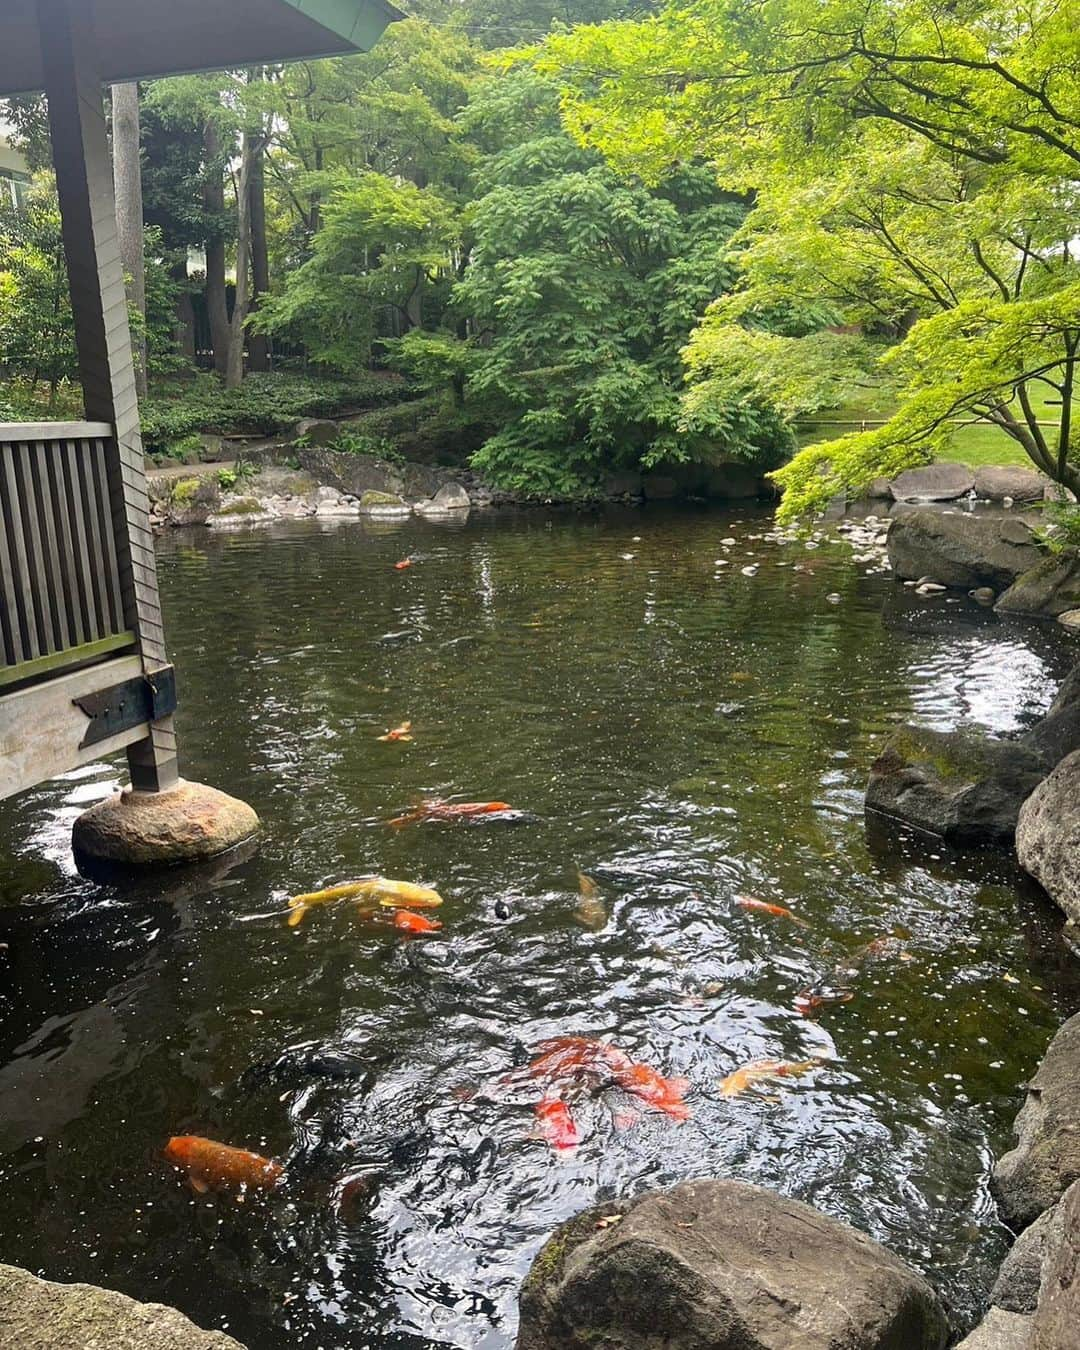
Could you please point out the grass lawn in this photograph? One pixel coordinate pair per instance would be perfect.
(980, 443)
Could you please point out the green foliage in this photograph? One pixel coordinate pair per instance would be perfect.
(37, 338)
(349, 442)
(1062, 530)
(581, 288)
(241, 472)
(915, 170)
(263, 405)
(380, 241)
(184, 450)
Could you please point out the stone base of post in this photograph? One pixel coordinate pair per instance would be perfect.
(185, 824)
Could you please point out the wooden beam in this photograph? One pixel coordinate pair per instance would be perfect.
(88, 217)
(41, 727)
(70, 656)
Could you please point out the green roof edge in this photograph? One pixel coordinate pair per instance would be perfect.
(359, 22)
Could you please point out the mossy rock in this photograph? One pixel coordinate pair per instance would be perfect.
(1050, 588)
(960, 785)
(371, 498)
(240, 506)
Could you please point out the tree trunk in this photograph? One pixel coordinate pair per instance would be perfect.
(414, 306)
(127, 180)
(184, 326)
(258, 343)
(234, 365)
(217, 307)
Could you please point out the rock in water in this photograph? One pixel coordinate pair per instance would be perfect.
(1046, 1159)
(449, 498)
(720, 1265)
(1057, 1322)
(956, 784)
(1050, 588)
(1058, 733)
(39, 1315)
(999, 482)
(189, 823)
(959, 549)
(1048, 837)
(933, 483)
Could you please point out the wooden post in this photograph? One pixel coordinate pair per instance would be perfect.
(88, 212)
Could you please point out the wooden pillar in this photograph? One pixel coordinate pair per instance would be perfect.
(88, 211)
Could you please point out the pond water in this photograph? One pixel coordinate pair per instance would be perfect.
(680, 732)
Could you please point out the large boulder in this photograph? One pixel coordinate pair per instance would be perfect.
(1046, 1160)
(659, 487)
(1049, 588)
(733, 482)
(996, 482)
(352, 475)
(1057, 1322)
(189, 823)
(933, 483)
(720, 1265)
(39, 1315)
(957, 548)
(623, 483)
(1020, 1278)
(956, 784)
(1048, 835)
(1000, 1330)
(1058, 733)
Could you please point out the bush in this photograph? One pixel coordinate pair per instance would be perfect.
(1063, 528)
(262, 406)
(349, 442)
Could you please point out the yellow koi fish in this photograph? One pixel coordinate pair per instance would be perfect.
(591, 911)
(392, 894)
(763, 1070)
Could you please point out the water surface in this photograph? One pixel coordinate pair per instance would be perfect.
(679, 731)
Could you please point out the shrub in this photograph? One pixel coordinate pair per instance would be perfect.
(262, 406)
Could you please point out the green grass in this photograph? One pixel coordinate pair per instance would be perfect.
(978, 444)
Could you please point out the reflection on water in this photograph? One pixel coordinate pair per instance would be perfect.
(682, 734)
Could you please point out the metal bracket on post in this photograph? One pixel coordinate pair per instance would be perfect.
(146, 698)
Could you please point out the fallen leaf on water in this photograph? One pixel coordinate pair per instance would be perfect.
(1010, 979)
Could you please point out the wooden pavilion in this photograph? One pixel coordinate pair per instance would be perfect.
(83, 663)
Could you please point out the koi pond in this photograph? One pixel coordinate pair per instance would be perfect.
(682, 734)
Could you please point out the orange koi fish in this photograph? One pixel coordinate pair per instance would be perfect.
(443, 810)
(415, 923)
(556, 1124)
(643, 1081)
(571, 1057)
(810, 1001)
(764, 1069)
(763, 907)
(400, 733)
(218, 1167)
(401, 566)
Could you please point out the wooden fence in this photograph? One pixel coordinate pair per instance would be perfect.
(61, 602)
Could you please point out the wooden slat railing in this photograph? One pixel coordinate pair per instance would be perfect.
(61, 603)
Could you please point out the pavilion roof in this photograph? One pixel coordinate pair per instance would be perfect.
(140, 39)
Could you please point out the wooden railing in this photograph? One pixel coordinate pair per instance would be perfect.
(61, 603)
